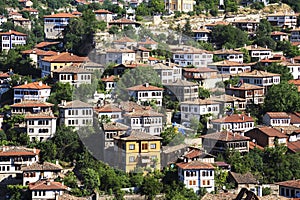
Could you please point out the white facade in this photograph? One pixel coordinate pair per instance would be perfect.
(230, 67)
(198, 107)
(202, 35)
(276, 119)
(288, 20)
(167, 73)
(260, 78)
(111, 111)
(191, 56)
(234, 123)
(32, 91)
(230, 55)
(73, 75)
(76, 114)
(11, 39)
(40, 127)
(294, 69)
(120, 56)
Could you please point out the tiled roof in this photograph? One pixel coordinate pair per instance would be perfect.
(147, 41)
(196, 164)
(227, 98)
(295, 117)
(76, 13)
(46, 166)
(225, 136)
(115, 126)
(245, 86)
(183, 83)
(130, 106)
(234, 118)
(31, 103)
(199, 70)
(230, 63)
(218, 23)
(277, 115)
(66, 196)
(272, 132)
(33, 86)
(162, 66)
(75, 104)
(47, 185)
(18, 151)
(45, 44)
(201, 31)
(257, 73)
(152, 58)
(4, 75)
(40, 115)
(144, 113)
(278, 33)
(111, 78)
(108, 108)
(137, 136)
(11, 32)
(120, 50)
(102, 11)
(30, 10)
(295, 82)
(291, 184)
(200, 102)
(190, 50)
(123, 39)
(21, 19)
(245, 21)
(123, 21)
(281, 14)
(227, 51)
(170, 149)
(141, 48)
(14, 13)
(252, 146)
(247, 178)
(145, 87)
(193, 153)
(39, 52)
(60, 15)
(222, 164)
(294, 146)
(65, 57)
(72, 69)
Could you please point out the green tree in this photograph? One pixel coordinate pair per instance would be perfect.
(288, 49)
(283, 97)
(278, 69)
(187, 29)
(246, 57)
(61, 91)
(113, 29)
(70, 180)
(157, 6)
(203, 93)
(151, 187)
(91, 179)
(196, 125)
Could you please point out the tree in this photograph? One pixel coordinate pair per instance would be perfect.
(203, 93)
(187, 29)
(169, 136)
(283, 97)
(157, 6)
(70, 180)
(91, 179)
(113, 29)
(61, 91)
(278, 69)
(196, 125)
(264, 28)
(288, 49)
(246, 57)
(151, 187)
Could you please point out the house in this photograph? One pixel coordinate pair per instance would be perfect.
(3, 19)
(230, 67)
(182, 90)
(202, 35)
(246, 25)
(230, 55)
(198, 108)
(252, 93)
(199, 74)
(148, 43)
(11, 39)
(37, 171)
(36, 55)
(5, 80)
(181, 6)
(146, 94)
(196, 175)
(110, 82)
(257, 52)
(75, 75)
(293, 67)
(22, 22)
(94, 66)
(55, 24)
(124, 42)
(111, 130)
(76, 114)
(211, 26)
(123, 22)
(194, 153)
(185, 56)
(146, 120)
(293, 146)
(120, 68)
(260, 78)
(228, 102)
(295, 118)
(279, 36)
(267, 136)
(168, 72)
(142, 54)
(111, 111)
(31, 91)
(120, 56)
(246, 180)
(103, 15)
(46, 46)
(46, 189)
(33, 12)
(14, 15)
(295, 35)
(219, 142)
(236, 123)
(170, 154)
(137, 150)
(31, 106)
(12, 158)
(60, 60)
(290, 188)
(283, 19)
(277, 119)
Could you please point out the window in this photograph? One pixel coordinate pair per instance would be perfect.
(153, 146)
(145, 146)
(131, 158)
(131, 146)
(31, 122)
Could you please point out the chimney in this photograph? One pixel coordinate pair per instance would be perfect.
(40, 83)
(25, 83)
(63, 102)
(9, 31)
(34, 150)
(255, 46)
(249, 115)
(243, 117)
(146, 84)
(47, 182)
(245, 45)
(56, 162)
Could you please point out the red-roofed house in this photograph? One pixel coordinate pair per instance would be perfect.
(103, 15)
(235, 123)
(277, 119)
(279, 36)
(46, 189)
(109, 82)
(55, 24)
(196, 175)
(146, 93)
(36, 55)
(32, 91)
(290, 188)
(124, 22)
(267, 136)
(109, 110)
(231, 67)
(11, 39)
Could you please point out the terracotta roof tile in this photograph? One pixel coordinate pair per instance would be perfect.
(199, 70)
(247, 178)
(102, 11)
(5, 75)
(33, 86)
(65, 57)
(115, 126)
(40, 115)
(137, 136)
(255, 47)
(73, 69)
(252, 146)
(271, 132)
(123, 40)
(39, 52)
(234, 118)
(130, 106)
(245, 86)
(195, 165)
(201, 31)
(227, 51)
(147, 41)
(225, 136)
(227, 98)
(46, 166)
(45, 44)
(31, 103)
(291, 184)
(60, 15)
(276, 115)
(230, 63)
(257, 73)
(47, 185)
(111, 78)
(145, 87)
(30, 10)
(75, 104)
(108, 108)
(120, 50)
(295, 117)
(18, 151)
(278, 33)
(123, 21)
(181, 83)
(11, 32)
(200, 102)
(144, 113)
(294, 146)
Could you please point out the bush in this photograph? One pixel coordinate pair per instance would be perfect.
(139, 18)
(266, 191)
(177, 14)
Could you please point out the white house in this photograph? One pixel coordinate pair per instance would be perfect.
(202, 35)
(120, 56)
(258, 52)
(185, 56)
(168, 72)
(111, 111)
(76, 114)
(36, 55)
(112, 130)
(290, 188)
(46, 189)
(231, 67)
(285, 20)
(31, 91)
(146, 93)
(230, 55)
(260, 78)
(277, 119)
(110, 82)
(11, 39)
(293, 67)
(196, 175)
(103, 15)
(198, 107)
(145, 120)
(234, 123)
(37, 171)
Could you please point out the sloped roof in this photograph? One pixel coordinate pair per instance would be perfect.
(65, 57)
(227, 98)
(11, 32)
(257, 73)
(272, 132)
(123, 21)
(147, 41)
(102, 11)
(40, 115)
(295, 117)
(247, 178)
(225, 136)
(276, 115)
(138, 136)
(144, 113)
(145, 87)
(60, 15)
(234, 118)
(33, 86)
(72, 69)
(227, 51)
(47, 185)
(130, 106)
(180, 82)
(294, 146)
(75, 104)
(230, 63)
(45, 44)
(115, 126)
(199, 69)
(278, 33)
(108, 108)
(18, 151)
(31, 103)
(39, 52)
(123, 39)
(245, 86)
(200, 102)
(291, 184)
(46, 166)
(111, 78)
(196, 164)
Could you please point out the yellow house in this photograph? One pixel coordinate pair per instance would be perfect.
(179, 5)
(137, 149)
(64, 59)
